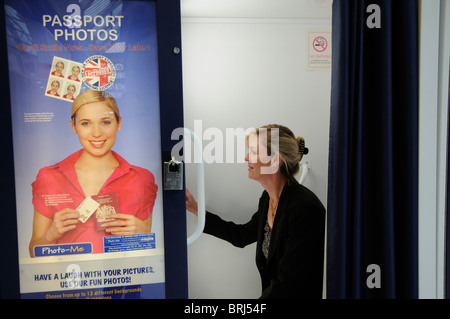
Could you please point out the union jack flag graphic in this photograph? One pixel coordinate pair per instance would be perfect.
(98, 72)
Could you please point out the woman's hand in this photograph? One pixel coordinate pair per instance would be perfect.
(63, 221)
(191, 203)
(124, 224)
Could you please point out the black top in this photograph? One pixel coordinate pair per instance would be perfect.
(294, 266)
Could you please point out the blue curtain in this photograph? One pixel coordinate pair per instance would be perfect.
(373, 154)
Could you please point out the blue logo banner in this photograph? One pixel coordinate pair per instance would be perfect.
(65, 249)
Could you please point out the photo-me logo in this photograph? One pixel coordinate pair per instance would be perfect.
(65, 249)
(98, 72)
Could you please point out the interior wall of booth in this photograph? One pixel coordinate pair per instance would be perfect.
(245, 65)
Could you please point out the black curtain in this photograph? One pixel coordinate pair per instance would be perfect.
(373, 154)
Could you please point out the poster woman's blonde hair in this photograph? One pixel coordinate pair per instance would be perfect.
(91, 96)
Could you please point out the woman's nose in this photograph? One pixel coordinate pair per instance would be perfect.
(246, 157)
(96, 131)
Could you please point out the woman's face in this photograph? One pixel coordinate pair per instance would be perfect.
(59, 67)
(96, 127)
(259, 163)
(75, 72)
(70, 90)
(55, 86)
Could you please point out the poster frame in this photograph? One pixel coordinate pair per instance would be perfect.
(171, 117)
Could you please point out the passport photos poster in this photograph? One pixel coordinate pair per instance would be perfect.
(58, 50)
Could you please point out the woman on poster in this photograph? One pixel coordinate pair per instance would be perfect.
(54, 87)
(70, 95)
(59, 67)
(60, 189)
(75, 72)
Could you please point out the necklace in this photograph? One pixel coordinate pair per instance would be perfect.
(274, 209)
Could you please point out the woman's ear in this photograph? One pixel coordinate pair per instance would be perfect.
(276, 159)
(119, 123)
(275, 162)
(72, 124)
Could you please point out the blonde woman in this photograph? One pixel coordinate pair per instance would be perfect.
(75, 73)
(70, 92)
(93, 170)
(289, 226)
(59, 67)
(54, 87)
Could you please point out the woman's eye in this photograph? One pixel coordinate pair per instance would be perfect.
(106, 122)
(85, 123)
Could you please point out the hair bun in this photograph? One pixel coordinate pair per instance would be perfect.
(301, 146)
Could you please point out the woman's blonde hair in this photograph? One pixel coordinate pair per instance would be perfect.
(280, 140)
(59, 84)
(91, 96)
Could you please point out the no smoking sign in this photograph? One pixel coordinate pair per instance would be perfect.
(320, 44)
(319, 50)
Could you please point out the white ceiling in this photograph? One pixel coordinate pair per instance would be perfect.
(291, 9)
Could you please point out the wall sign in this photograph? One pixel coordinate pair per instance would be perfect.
(318, 50)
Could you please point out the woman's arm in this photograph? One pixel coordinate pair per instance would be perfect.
(46, 231)
(237, 235)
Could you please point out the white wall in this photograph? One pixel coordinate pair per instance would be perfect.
(244, 65)
(433, 129)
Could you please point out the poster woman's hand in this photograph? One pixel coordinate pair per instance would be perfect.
(63, 221)
(47, 230)
(124, 224)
